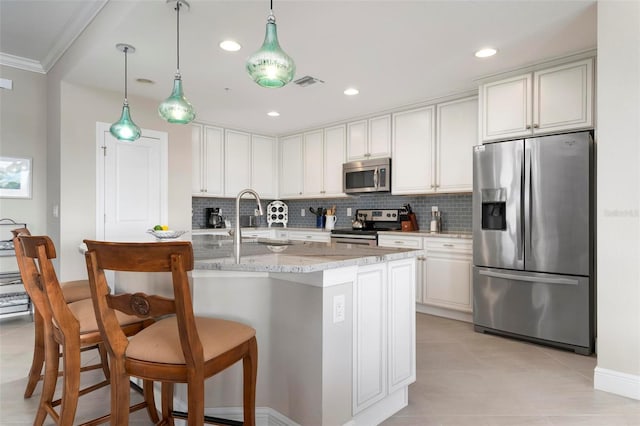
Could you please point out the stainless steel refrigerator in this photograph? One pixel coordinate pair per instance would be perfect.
(533, 240)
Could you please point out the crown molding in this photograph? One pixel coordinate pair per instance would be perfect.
(21, 63)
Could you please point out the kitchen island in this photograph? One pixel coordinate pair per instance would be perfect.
(335, 328)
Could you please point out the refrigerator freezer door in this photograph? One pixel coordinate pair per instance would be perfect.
(545, 307)
(498, 232)
(556, 209)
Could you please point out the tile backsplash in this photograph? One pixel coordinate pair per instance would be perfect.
(455, 209)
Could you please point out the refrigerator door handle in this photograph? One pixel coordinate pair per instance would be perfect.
(526, 202)
(520, 232)
(542, 280)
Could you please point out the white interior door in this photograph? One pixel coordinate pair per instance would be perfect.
(132, 185)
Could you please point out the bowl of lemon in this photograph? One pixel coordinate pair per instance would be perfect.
(162, 232)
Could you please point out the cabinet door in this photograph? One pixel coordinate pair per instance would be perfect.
(313, 153)
(448, 275)
(506, 108)
(264, 168)
(291, 167)
(412, 168)
(370, 336)
(213, 173)
(357, 140)
(401, 331)
(237, 162)
(563, 97)
(334, 157)
(197, 170)
(457, 133)
(379, 137)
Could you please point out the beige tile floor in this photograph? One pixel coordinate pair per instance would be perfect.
(463, 379)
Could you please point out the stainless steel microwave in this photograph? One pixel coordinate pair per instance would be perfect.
(367, 176)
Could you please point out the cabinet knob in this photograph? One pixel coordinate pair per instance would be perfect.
(535, 126)
(528, 126)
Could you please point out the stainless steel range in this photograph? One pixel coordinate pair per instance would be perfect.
(367, 223)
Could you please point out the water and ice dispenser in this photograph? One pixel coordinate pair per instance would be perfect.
(494, 209)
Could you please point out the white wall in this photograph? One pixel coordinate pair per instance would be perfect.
(618, 191)
(81, 107)
(23, 133)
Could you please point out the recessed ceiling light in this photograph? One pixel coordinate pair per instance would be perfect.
(230, 45)
(351, 91)
(486, 52)
(273, 114)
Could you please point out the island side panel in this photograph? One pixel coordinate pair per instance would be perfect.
(288, 318)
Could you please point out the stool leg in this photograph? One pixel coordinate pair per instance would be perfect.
(195, 399)
(167, 403)
(119, 393)
(52, 359)
(147, 388)
(38, 354)
(250, 372)
(71, 379)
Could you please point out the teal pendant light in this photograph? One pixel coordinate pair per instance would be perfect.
(271, 66)
(176, 108)
(125, 129)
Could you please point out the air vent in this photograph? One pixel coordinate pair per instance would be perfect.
(307, 80)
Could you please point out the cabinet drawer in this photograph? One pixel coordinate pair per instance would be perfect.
(455, 245)
(399, 241)
(321, 237)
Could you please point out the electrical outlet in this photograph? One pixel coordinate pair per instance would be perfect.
(338, 308)
(256, 212)
(349, 211)
(434, 208)
(302, 212)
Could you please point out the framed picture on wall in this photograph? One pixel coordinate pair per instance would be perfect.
(15, 177)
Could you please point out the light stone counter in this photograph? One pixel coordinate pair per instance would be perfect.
(215, 252)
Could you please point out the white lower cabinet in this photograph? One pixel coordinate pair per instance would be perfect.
(384, 331)
(447, 274)
(443, 275)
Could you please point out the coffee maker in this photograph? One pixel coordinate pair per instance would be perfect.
(213, 218)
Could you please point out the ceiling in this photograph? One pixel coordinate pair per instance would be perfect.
(395, 52)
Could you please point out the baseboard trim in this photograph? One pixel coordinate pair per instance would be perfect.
(445, 313)
(612, 381)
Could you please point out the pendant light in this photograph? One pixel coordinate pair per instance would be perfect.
(271, 66)
(125, 129)
(176, 108)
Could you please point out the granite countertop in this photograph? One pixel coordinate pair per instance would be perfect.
(216, 252)
(197, 231)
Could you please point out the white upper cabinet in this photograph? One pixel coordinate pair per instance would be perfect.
(368, 139)
(264, 170)
(547, 101)
(291, 167)
(313, 163)
(456, 134)
(334, 157)
(237, 162)
(412, 167)
(207, 149)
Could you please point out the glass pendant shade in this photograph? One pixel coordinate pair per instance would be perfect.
(271, 66)
(176, 108)
(125, 129)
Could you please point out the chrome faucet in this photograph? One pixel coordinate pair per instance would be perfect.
(237, 238)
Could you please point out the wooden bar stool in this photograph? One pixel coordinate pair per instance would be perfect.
(179, 348)
(68, 327)
(72, 291)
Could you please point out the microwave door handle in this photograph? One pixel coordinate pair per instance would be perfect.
(375, 177)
